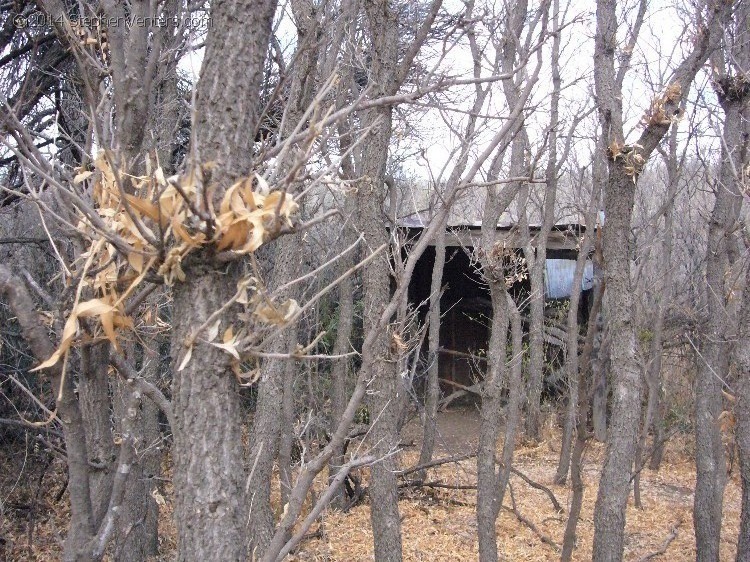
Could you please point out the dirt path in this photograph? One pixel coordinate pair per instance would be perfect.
(457, 432)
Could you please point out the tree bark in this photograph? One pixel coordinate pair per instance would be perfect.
(287, 437)
(742, 416)
(136, 536)
(340, 374)
(582, 435)
(734, 97)
(209, 508)
(209, 471)
(488, 481)
(94, 398)
(657, 344)
(572, 363)
(625, 163)
(82, 525)
(267, 422)
(432, 390)
(275, 403)
(383, 400)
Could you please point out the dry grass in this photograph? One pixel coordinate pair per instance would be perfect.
(439, 524)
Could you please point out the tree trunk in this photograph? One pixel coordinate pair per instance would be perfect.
(515, 397)
(734, 97)
(267, 422)
(383, 399)
(209, 470)
(573, 412)
(286, 439)
(94, 397)
(599, 401)
(340, 368)
(489, 490)
(136, 537)
(625, 164)
(655, 360)
(82, 525)
(432, 390)
(208, 457)
(582, 434)
(488, 481)
(742, 416)
(275, 401)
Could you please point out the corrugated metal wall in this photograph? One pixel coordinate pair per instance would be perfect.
(558, 278)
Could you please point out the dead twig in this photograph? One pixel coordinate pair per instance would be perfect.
(665, 545)
(540, 487)
(436, 462)
(436, 484)
(530, 524)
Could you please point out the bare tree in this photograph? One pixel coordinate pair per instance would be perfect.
(742, 413)
(730, 63)
(625, 163)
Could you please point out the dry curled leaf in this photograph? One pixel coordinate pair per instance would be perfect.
(270, 313)
(186, 358)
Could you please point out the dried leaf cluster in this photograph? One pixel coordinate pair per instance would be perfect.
(630, 155)
(659, 113)
(151, 228)
(507, 265)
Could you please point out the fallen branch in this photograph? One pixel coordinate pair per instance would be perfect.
(436, 462)
(322, 503)
(544, 538)
(461, 354)
(540, 487)
(474, 388)
(665, 545)
(422, 484)
(530, 524)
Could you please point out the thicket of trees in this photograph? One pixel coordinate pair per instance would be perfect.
(211, 269)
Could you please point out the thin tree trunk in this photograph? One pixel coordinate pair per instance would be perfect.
(582, 434)
(732, 89)
(652, 417)
(625, 164)
(136, 537)
(94, 397)
(286, 440)
(573, 412)
(489, 491)
(742, 418)
(340, 368)
(515, 397)
(488, 481)
(511, 53)
(267, 421)
(432, 391)
(654, 368)
(82, 527)
(383, 400)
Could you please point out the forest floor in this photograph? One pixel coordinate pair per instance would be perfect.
(438, 524)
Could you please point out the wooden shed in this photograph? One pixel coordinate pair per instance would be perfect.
(466, 305)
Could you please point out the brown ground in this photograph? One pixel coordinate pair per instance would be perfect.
(440, 524)
(437, 524)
